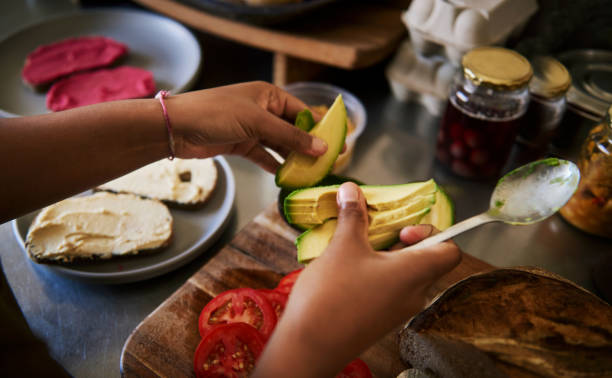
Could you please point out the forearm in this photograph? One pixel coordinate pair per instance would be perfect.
(49, 157)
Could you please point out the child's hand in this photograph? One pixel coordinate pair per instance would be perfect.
(351, 296)
(240, 119)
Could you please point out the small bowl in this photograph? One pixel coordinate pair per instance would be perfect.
(313, 94)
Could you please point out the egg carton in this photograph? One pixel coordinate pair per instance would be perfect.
(422, 79)
(453, 27)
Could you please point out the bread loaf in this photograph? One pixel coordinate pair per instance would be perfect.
(182, 182)
(99, 226)
(526, 321)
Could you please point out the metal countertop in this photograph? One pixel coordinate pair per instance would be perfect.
(86, 325)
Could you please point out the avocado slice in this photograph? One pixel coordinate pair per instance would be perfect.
(380, 218)
(378, 197)
(313, 214)
(398, 224)
(384, 240)
(315, 205)
(300, 170)
(313, 242)
(386, 197)
(327, 181)
(442, 214)
(304, 120)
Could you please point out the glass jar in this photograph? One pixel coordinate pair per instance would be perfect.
(482, 117)
(547, 104)
(590, 208)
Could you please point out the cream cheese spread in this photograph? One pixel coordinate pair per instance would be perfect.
(182, 181)
(102, 225)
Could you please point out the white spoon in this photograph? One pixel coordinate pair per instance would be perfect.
(526, 195)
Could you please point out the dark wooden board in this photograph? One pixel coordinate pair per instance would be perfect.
(347, 35)
(258, 256)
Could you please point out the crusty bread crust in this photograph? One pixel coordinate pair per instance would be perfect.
(528, 321)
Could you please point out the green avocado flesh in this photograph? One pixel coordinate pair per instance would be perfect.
(442, 214)
(313, 242)
(300, 170)
(408, 204)
(315, 205)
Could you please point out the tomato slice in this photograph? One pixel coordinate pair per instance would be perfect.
(228, 350)
(355, 369)
(242, 305)
(277, 299)
(286, 283)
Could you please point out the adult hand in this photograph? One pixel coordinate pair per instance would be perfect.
(240, 119)
(352, 295)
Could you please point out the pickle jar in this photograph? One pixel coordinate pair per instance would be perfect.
(487, 99)
(590, 208)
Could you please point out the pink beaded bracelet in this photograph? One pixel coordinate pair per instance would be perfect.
(161, 95)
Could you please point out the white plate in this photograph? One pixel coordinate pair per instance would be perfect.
(155, 43)
(194, 231)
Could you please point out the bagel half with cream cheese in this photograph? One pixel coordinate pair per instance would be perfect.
(178, 182)
(102, 225)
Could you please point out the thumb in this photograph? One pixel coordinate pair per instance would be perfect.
(352, 213)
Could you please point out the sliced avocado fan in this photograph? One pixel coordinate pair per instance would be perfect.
(421, 207)
(315, 205)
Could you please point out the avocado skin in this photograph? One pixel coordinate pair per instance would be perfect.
(327, 181)
(304, 120)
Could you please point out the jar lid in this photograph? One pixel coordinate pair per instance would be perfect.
(496, 67)
(550, 77)
(591, 89)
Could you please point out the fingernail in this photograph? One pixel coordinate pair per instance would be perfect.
(348, 193)
(318, 146)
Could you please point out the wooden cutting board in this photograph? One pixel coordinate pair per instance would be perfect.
(258, 256)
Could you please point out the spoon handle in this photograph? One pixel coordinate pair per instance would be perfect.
(454, 230)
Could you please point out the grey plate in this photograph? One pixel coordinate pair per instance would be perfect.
(155, 43)
(194, 231)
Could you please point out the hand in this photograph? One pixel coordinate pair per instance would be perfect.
(352, 295)
(240, 119)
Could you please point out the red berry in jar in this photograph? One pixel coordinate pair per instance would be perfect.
(458, 150)
(485, 105)
(472, 138)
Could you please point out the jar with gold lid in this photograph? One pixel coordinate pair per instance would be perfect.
(547, 104)
(482, 117)
(590, 208)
